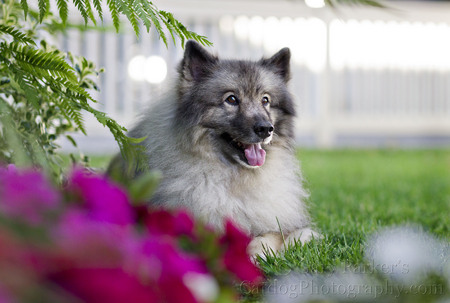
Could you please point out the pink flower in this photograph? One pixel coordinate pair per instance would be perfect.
(153, 260)
(81, 240)
(112, 285)
(103, 200)
(163, 222)
(236, 258)
(97, 251)
(26, 195)
(175, 263)
(4, 296)
(158, 260)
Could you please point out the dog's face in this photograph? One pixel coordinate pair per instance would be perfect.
(244, 105)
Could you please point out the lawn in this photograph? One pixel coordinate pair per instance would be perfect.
(357, 192)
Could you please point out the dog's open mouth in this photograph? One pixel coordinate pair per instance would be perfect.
(252, 154)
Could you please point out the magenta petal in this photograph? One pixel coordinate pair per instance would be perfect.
(163, 222)
(236, 258)
(27, 195)
(112, 285)
(85, 240)
(174, 262)
(104, 200)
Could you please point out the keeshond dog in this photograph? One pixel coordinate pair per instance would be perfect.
(223, 140)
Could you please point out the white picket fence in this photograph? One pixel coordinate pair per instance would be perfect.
(361, 76)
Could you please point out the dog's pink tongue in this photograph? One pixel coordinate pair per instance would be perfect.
(255, 154)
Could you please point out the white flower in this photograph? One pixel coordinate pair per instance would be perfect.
(203, 287)
(406, 254)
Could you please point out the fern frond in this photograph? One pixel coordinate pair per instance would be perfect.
(142, 7)
(72, 111)
(44, 62)
(76, 91)
(98, 7)
(128, 10)
(24, 5)
(114, 13)
(154, 16)
(128, 146)
(169, 22)
(29, 90)
(182, 31)
(44, 7)
(63, 10)
(87, 5)
(81, 8)
(16, 34)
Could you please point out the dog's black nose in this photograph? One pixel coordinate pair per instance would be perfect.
(263, 129)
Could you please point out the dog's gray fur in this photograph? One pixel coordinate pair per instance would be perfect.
(202, 172)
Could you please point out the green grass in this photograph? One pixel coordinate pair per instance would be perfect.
(357, 192)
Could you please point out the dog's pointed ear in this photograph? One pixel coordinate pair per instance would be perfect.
(279, 63)
(196, 62)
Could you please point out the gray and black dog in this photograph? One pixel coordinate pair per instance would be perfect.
(223, 140)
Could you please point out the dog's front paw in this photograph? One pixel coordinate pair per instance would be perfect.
(258, 245)
(302, 235)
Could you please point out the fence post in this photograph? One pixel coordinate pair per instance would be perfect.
(324, 132)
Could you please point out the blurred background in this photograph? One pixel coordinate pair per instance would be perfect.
(361, 76)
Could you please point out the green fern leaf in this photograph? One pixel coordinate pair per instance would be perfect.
(63, 10)
(28, 89)
(170, 23)
(129, 11)
(24, 7)
(141, 10)
(87, 4)
(181, 30)
(81, 8)
(42, 63)
(69, 109)
(16, 34)
(19, 80)
(114, 13)
(128, 146)
(98, 7)
(44, 6)
(154, 16)
(80, 92)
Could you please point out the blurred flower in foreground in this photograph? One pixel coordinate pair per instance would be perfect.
(406, 255)
(103, 200)
(98, 247)
(4, 297)
(26, 195)
(162, 222)
(404, 265)
(236, 258)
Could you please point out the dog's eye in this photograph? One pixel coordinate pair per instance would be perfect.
(265, 101)
(232, 100)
